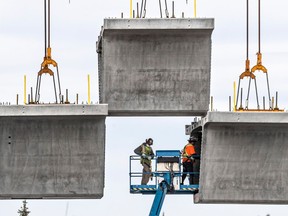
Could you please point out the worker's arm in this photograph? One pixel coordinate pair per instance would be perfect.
(152, 154)
(138, 150)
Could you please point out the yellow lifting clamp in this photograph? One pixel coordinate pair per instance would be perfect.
(46, 70)
(46, 62)
(247, 72)
(259, 65)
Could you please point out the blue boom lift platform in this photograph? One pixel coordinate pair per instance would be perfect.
(167, 176)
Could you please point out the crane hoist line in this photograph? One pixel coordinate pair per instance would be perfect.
(250, 73)
(47, 61)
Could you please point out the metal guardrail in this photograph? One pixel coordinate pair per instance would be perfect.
(157, 175)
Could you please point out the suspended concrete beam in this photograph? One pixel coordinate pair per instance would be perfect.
(155, 67)
(52, 151)
(244, 158)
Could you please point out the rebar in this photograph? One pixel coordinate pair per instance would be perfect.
(17, 99)
(173, 15)
(31, 95)
(211, 103)
(67, 100)
(276, 102)
(137, 10)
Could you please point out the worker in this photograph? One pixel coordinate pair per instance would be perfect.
(146, 152)
(188, 153)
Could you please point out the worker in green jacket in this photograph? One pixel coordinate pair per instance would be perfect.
(146, 152)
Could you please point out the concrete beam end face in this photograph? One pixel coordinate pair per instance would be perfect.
(155, 66)
(244, 159)
(48, 157)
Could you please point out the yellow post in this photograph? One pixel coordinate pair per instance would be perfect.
(24, 89)
(89, 100)
(234, 101)
(131, 9)
(211, 103)
(195, 8)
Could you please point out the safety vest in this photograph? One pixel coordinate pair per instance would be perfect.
(147, 150)
(188, 150)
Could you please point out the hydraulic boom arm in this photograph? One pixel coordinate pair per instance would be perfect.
(161, 192)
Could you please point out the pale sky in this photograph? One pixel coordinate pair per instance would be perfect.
(75, 29)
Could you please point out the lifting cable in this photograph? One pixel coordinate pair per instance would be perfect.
(44, 69)
(247, 72)
(259, 65)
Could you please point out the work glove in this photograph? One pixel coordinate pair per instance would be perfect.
(191, 158)
(143, 156)
(149, 157)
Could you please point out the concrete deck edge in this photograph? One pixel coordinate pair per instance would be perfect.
(246, 117)
(189, 24)
(200, 201)
(54, 110)
(239, 117)
(176, 24)
(28, 196)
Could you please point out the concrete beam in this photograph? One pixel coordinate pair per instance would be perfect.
(155, 67)
(51, 151)
(244, 158)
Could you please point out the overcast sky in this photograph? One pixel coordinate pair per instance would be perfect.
(74, 31)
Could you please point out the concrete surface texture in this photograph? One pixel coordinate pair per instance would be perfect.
(52, 155)
(244, 158)
(155, 66)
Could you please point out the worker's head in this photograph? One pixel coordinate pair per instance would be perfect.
(149, 141)
(192, 139)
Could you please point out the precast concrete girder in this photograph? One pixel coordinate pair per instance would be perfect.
(244, 158)
(52, 151)
(155, 67)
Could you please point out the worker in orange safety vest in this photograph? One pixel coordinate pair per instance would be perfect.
(187, 159)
